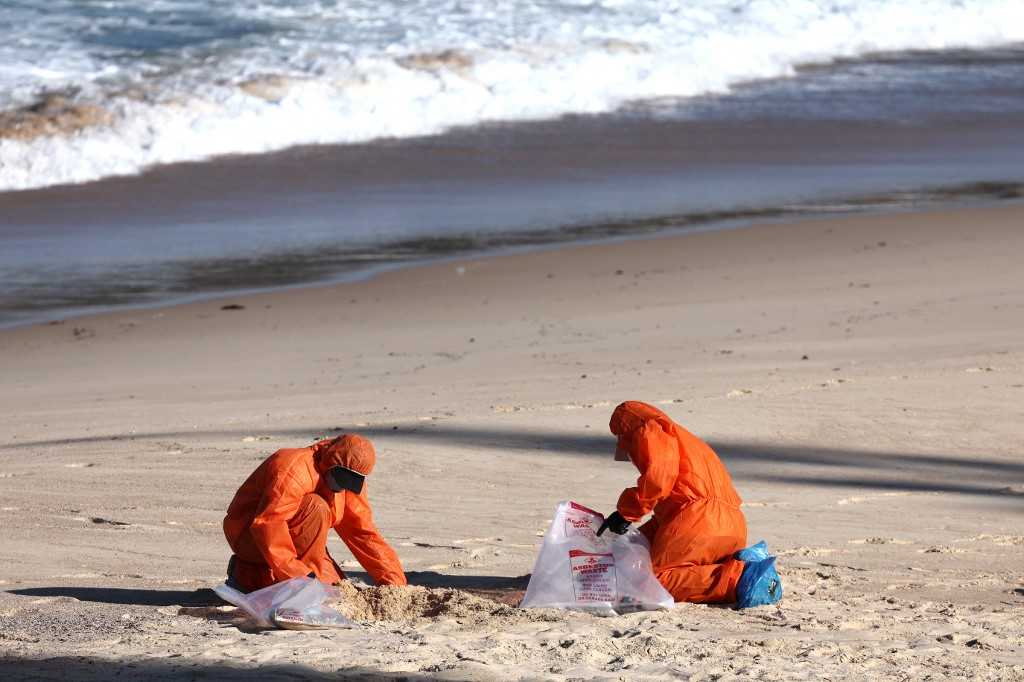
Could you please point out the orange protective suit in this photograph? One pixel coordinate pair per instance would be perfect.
(278, 521)
(697, 524)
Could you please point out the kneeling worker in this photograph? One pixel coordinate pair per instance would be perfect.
(278, 522)
(697, 529)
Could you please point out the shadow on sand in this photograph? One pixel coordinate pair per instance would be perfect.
(124, 595)
(89, 668)
(204, 597)
(747, 461)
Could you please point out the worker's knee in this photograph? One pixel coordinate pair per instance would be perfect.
(313, 511)
(317, 506)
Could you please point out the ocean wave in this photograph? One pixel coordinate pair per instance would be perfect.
(274, 75)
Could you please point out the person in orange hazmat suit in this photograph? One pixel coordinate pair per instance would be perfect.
(697, 531)
(278, 521)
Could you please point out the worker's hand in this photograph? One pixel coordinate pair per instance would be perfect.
(615, 523)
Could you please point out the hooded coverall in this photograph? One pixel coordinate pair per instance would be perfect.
(697, 524)
(278, 521)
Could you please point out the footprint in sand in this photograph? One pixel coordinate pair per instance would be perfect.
(585, 406)
(739, 392)
(904, 586)
(943, 549)
(808, 551)
(879, 541)
(100, 521)
(1002, 540)
(853, 625)
(508, 408)
(858, 499)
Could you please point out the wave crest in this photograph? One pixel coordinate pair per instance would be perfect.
(277, 90)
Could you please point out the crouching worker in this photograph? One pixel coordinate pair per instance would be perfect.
(278, 522)
(697, 531)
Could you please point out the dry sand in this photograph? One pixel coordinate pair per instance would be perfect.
(862, 377)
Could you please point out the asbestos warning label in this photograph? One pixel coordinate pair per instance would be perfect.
(593, 576)
(580, 521)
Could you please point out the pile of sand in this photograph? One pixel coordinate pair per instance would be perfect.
(414, 603)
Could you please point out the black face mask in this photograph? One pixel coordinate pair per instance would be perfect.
(342, 478)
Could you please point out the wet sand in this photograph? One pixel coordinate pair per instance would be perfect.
(862, 378)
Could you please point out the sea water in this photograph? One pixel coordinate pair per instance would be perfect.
(94, 88)
(382, 133)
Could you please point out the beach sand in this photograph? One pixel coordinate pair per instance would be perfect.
(862, 378)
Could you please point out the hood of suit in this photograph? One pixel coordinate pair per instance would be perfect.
(628, 421)
(631, 415)
(349, 451)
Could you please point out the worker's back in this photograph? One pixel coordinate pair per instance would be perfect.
(702, 475)
(290, 466)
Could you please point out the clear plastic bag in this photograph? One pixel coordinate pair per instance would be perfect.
(605, 575)
(295, 604)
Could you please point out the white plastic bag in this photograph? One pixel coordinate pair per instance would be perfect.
(295, 604)
(604, 575)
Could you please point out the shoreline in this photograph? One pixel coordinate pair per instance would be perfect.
(316, 214)
(436, 250)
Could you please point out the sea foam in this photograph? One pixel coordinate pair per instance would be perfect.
(180, 80)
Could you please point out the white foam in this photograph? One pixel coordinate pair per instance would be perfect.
(350, 83)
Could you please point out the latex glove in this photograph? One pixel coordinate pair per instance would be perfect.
(615, 523)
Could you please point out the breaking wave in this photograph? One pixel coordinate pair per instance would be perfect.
(100, 90)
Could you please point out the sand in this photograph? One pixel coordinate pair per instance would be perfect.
(390, 603)
(862, 377)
